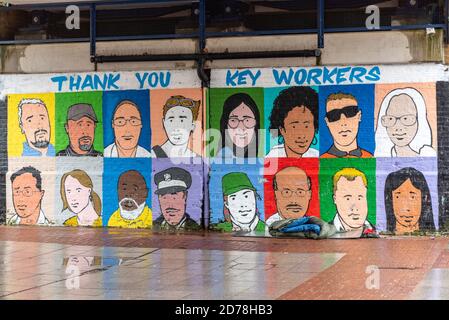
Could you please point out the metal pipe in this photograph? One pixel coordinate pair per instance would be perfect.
(210, 56)
(202, 25)
(446, 21)
(260, 33)
(87, 4)
(102, 39)
(320, 22)
(201, 62)
(385, 28)
(93, 31)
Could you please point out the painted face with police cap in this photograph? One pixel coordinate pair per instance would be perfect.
(172, 185)
(132, 194)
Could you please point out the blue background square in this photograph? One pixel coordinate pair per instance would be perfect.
(139, 97)
(365, 98)
(255, 175)
(113, 168)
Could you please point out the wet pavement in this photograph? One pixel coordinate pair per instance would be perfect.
(55, 271)
(56, 263)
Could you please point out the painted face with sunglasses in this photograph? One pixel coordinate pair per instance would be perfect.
(343, 117)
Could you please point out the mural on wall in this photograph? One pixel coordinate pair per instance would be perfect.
(356, 146)
(106, 119)
(329, 134)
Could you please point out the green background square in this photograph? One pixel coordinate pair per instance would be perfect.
(63, 102)
(328, 167)
(216, 98)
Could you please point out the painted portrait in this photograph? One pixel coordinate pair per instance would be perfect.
(127, 200)
(79, 198)
(127, 132)
(236, 197)
(237, 117)
(178, 195)
(79, 124)
(293, 115)
(347, 125)
(176, 123)
(406, 121)
(79, 192)
(407, 195)
(30, 186)
(31, 125)
(348, 193)
(291, 190)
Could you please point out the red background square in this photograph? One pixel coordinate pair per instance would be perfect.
(309, 165)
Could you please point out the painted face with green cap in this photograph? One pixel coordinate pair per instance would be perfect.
(242, 206)
(240, 198)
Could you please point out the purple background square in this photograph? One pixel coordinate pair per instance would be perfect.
(427, 166)
(195, 192)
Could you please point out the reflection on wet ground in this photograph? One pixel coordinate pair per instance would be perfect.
(31, 270)
(435, 286)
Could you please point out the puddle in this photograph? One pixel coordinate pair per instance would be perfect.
(95, 261)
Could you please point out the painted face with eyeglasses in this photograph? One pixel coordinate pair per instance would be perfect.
(241, 125)
(293, 192)
(400, 120)
(26, 196)
(342, 118)
(127, 124)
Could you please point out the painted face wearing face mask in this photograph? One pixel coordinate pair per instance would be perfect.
(130, 214)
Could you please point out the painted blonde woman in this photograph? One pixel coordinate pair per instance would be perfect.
(80, 200)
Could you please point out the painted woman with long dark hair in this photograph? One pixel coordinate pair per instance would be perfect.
(408, 204)
(239, 127)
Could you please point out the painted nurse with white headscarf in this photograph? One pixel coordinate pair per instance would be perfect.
(402, 126)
